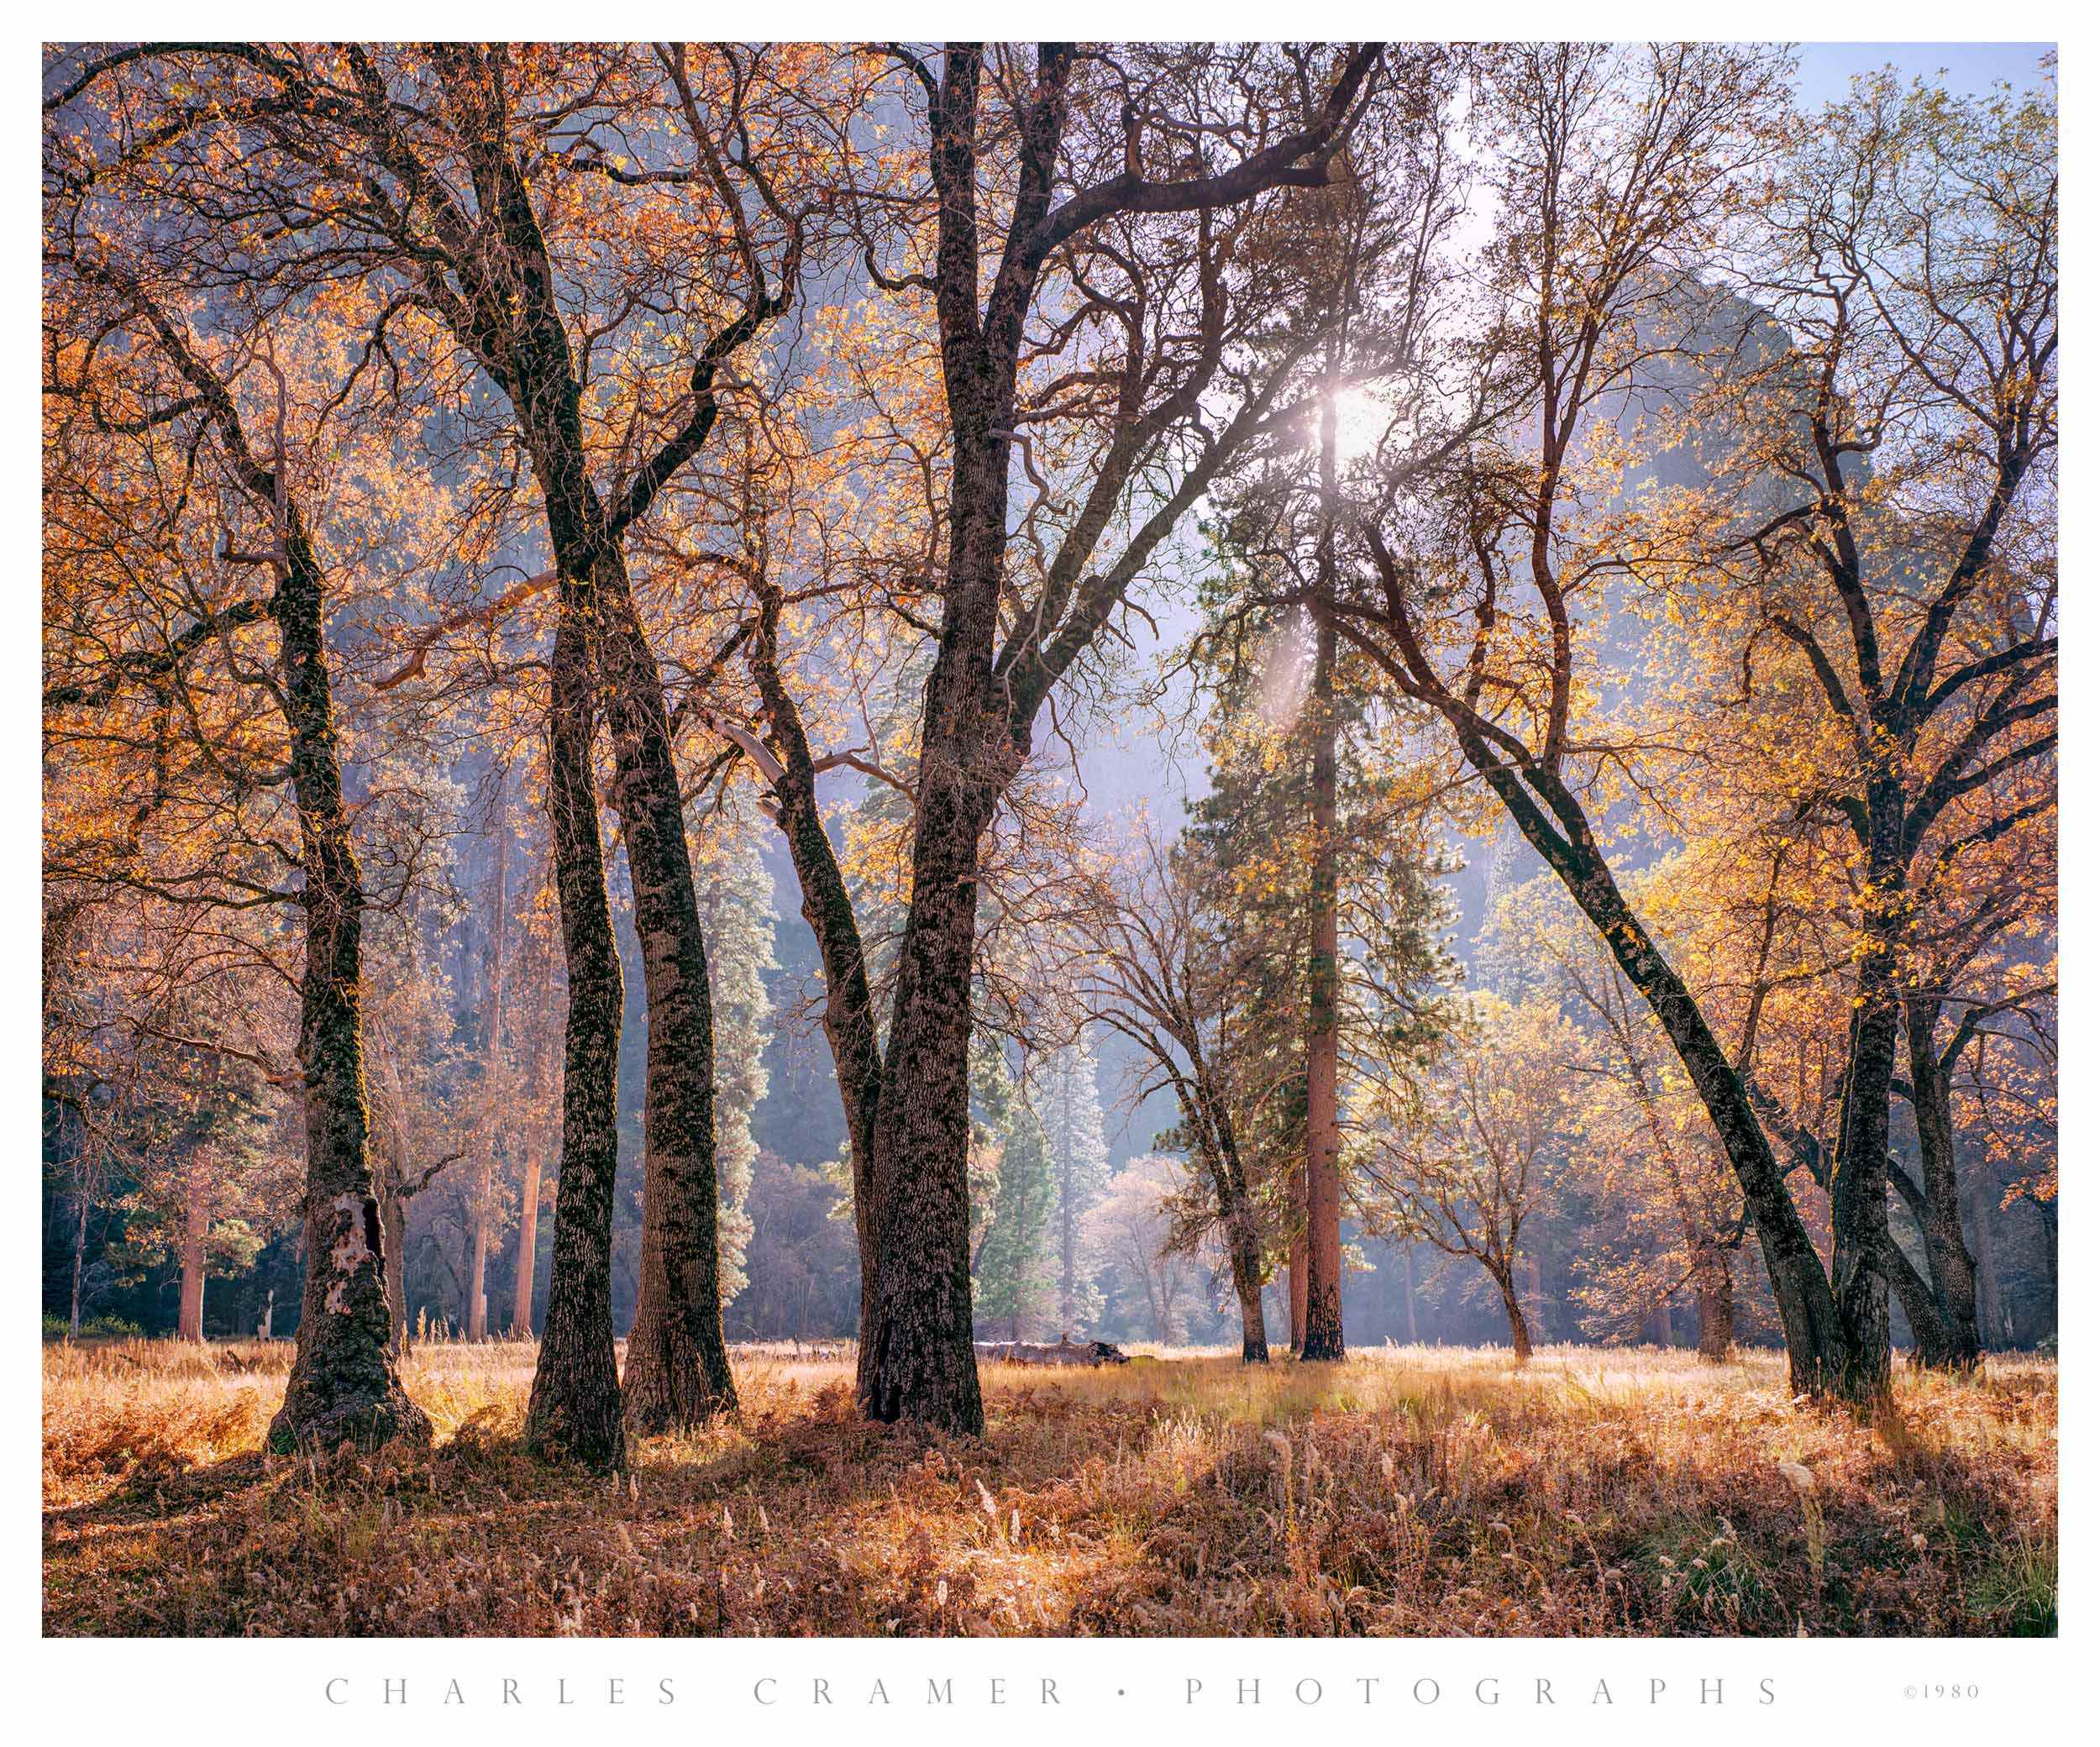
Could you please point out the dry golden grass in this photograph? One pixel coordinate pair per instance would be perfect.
(1428, 1491)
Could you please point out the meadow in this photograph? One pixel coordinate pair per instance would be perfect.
(1425, 1492)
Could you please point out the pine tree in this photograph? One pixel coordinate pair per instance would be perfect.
(1013, 1269)
(736, 916)
(1294, 739)
(1070, 1104)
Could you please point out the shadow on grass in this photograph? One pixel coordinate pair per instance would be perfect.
(1386, 1496)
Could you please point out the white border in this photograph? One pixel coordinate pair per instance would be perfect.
(178, 1692)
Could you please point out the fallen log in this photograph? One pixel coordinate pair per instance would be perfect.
(1065, 1352)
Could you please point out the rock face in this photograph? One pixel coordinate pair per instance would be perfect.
(1067, 1351)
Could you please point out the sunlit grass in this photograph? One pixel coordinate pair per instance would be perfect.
(1423, 1491)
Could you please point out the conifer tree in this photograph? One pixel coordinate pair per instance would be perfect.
(1071, 1107)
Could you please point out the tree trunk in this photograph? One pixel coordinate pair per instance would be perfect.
(195, 1222)
(1947, 1257)
(1513, 1308)
(1714, 1289)
(575, 1409)
(342, 1385)
(1300, 1261)
(1322, 1333)
(1407, 1267)
(80, 1253)
(849, 1009)
(494, 1085)
(678, 1363)
(1859, 1268)
(1244, 1241)
(478, 1260)
(527, 1245)
(393, 1229)
(917, 1360)
(1996, 1328)
(1246, 1287)
(678, 1366)
(1815, 1335)
(1216, 1143)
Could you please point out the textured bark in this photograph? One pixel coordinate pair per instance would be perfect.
(342, 1385)
(512, 319)
(1862, 1242)
(678, 1364)
(574, 1412)
(1948, 1259)
(1211, 1127)
(1215, 1143)
(79, 1256)
(1808, 1312)
(1246, 1287)
(1921, 1304)
(1243, 1240)
(917, 1358)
